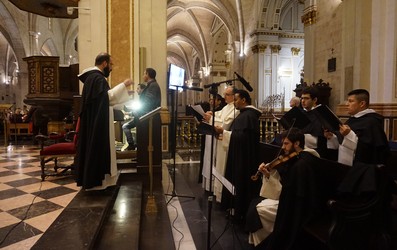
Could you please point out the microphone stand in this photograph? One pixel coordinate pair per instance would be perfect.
(175, 120)
(213, 91)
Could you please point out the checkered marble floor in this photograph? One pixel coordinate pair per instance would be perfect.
(29, 206)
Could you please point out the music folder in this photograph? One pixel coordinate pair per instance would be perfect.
(197, 112)
(205, 128)
(295, 117)
(328, 119)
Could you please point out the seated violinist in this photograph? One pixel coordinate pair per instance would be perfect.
(278, 176)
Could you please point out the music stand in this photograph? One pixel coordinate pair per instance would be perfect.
(214, 90)
(151, 204)
(175, 120)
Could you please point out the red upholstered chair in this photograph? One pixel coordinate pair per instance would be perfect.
(55, 151)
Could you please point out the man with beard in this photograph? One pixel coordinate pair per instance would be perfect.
(262, 211)
(96, 153)
(242, 157)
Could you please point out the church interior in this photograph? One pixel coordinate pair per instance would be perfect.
(275, 47)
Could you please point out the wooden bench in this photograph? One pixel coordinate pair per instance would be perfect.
(17, 129)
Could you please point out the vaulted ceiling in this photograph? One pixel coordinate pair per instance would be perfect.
(198, 32)
(201, 33)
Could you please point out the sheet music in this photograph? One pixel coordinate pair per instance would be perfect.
(198, 109)
(225, 182)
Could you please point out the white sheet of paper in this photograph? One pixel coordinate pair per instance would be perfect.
(225, 182)
(198, 109)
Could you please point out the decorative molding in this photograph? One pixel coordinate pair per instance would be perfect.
(278, 34)
(295, 51)
(275, 48)
(259, 48)
(310, 15)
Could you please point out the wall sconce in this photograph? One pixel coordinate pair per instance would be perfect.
(206, 70)
(7, 80)
(34, 34)
(70, 10)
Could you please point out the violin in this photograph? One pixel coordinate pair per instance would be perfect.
(274, 163)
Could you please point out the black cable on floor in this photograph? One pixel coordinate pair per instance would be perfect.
(177, 215)
(26, 215)
(173, 226)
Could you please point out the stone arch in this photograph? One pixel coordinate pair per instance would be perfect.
(71, 37)
(48, 48)
(10, 31)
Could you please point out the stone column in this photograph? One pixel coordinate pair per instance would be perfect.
(309, 18)
(259, 62)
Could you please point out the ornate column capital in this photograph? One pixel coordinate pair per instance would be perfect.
(309, 15)
(295, 51)
(258, 48)
(275, 48)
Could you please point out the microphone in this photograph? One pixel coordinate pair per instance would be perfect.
(216, 84)
(206, 86)
(244, 82)
(191, 88)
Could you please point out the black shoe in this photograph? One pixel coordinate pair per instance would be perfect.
(130, 147)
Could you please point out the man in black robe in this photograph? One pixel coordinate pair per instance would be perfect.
(294, 154)
(314, 131)
(364, 139)
(243, 155)
(308, 182)
(96, 167)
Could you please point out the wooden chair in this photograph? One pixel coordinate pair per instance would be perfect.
(53, 152)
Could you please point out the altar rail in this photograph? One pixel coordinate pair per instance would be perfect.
(17, 129)
(187, 136)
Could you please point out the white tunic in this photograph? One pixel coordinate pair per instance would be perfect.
(223, 118)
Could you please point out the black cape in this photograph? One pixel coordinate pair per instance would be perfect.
(315, 128)
(93, 150)
(242, 161)
(372, 146)
(303, 198)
